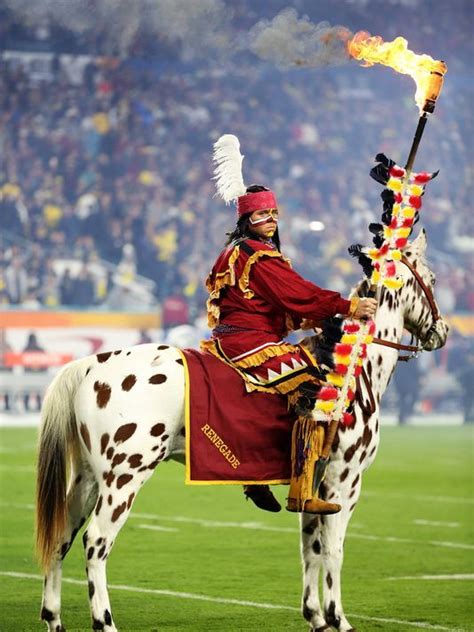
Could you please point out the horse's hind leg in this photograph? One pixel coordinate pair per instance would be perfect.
(116, 496)
(81, 499)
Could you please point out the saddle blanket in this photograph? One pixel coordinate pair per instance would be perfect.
(233, 437)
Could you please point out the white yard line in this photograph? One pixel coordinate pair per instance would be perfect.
(155, 527)
(259, 526)
(226, 601)
(435, 523)
(449, 545)
(459, 576)
(423, 497)
(214, 524)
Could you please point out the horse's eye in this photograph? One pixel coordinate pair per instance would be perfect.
(433, 281)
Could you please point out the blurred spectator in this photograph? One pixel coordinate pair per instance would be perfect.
(407, 385)
(144, 337)
(461, 365)
(66, 288)
(16, 281)
(175, 312)
(5, 348)
(32, 401)
(83, 289)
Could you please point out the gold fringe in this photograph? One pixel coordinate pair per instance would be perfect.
(291, 384)
(244, 277)
(306, 431)
(222, 280)
(227, 278)
(211, 347)
(355, 300)
(259, 357)
(283, 388)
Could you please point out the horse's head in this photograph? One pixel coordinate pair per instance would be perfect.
(421, 314)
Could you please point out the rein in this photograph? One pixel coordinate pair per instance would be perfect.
(413, 350)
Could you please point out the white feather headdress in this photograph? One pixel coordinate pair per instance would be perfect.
(228, 172)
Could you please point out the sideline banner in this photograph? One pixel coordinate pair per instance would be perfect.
(42, 319)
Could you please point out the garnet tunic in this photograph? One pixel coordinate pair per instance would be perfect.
(255, 299)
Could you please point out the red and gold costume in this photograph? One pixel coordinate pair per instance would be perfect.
(255, 300)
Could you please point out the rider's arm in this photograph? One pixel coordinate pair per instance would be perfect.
(274, 280)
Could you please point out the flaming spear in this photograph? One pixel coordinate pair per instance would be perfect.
(408, 188)
(427, 73)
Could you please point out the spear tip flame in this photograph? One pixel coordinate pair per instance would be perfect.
(427, 72)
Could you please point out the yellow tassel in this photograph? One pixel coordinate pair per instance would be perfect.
(349, 339)
(325, 406)
(396, 210)
(403, 232)
(393, 284)
(408, 212)
(368, 339)
(342, 359)
(335, 379)
(360, 362)
(387, 232)
(394, 184)
(396, 254)
(415, 189)
(373, 253)
(375, 278)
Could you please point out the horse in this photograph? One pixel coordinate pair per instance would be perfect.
(108, 420)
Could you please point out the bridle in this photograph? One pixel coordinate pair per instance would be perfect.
(413, 350)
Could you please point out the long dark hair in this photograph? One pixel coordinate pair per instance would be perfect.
(243, 228)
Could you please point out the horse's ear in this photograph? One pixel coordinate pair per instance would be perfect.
(420, 243)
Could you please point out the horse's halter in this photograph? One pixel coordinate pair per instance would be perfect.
(414, 350)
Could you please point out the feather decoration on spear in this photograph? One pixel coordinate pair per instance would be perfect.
(228, 172)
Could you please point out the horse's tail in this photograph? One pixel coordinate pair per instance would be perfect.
(58, 444)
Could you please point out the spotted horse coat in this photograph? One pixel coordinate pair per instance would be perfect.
(115, 416)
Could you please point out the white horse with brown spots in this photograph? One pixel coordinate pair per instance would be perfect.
(115, 416)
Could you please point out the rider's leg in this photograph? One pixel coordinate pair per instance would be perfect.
(307, 445)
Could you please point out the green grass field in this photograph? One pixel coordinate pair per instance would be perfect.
(414, 519)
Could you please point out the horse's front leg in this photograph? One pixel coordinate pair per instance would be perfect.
(312, 561)
(333, 531)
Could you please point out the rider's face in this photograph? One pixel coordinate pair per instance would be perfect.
(264, 223)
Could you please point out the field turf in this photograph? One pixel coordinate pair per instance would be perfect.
(414, 520)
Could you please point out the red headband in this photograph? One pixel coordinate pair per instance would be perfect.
(251, 202)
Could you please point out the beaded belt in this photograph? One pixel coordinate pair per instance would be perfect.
(230, 329)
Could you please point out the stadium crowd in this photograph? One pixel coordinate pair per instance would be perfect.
(108, 176)
(105, 165)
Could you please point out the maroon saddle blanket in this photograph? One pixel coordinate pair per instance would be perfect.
(233, 437)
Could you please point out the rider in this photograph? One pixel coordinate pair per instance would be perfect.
(255, 299)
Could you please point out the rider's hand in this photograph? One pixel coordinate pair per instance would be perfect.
(366, 308)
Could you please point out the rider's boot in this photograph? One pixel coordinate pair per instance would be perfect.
(262, 496)
(307, 444)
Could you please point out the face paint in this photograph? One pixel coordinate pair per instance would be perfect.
(272, 216)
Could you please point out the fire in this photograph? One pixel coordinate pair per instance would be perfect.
(373, 50)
